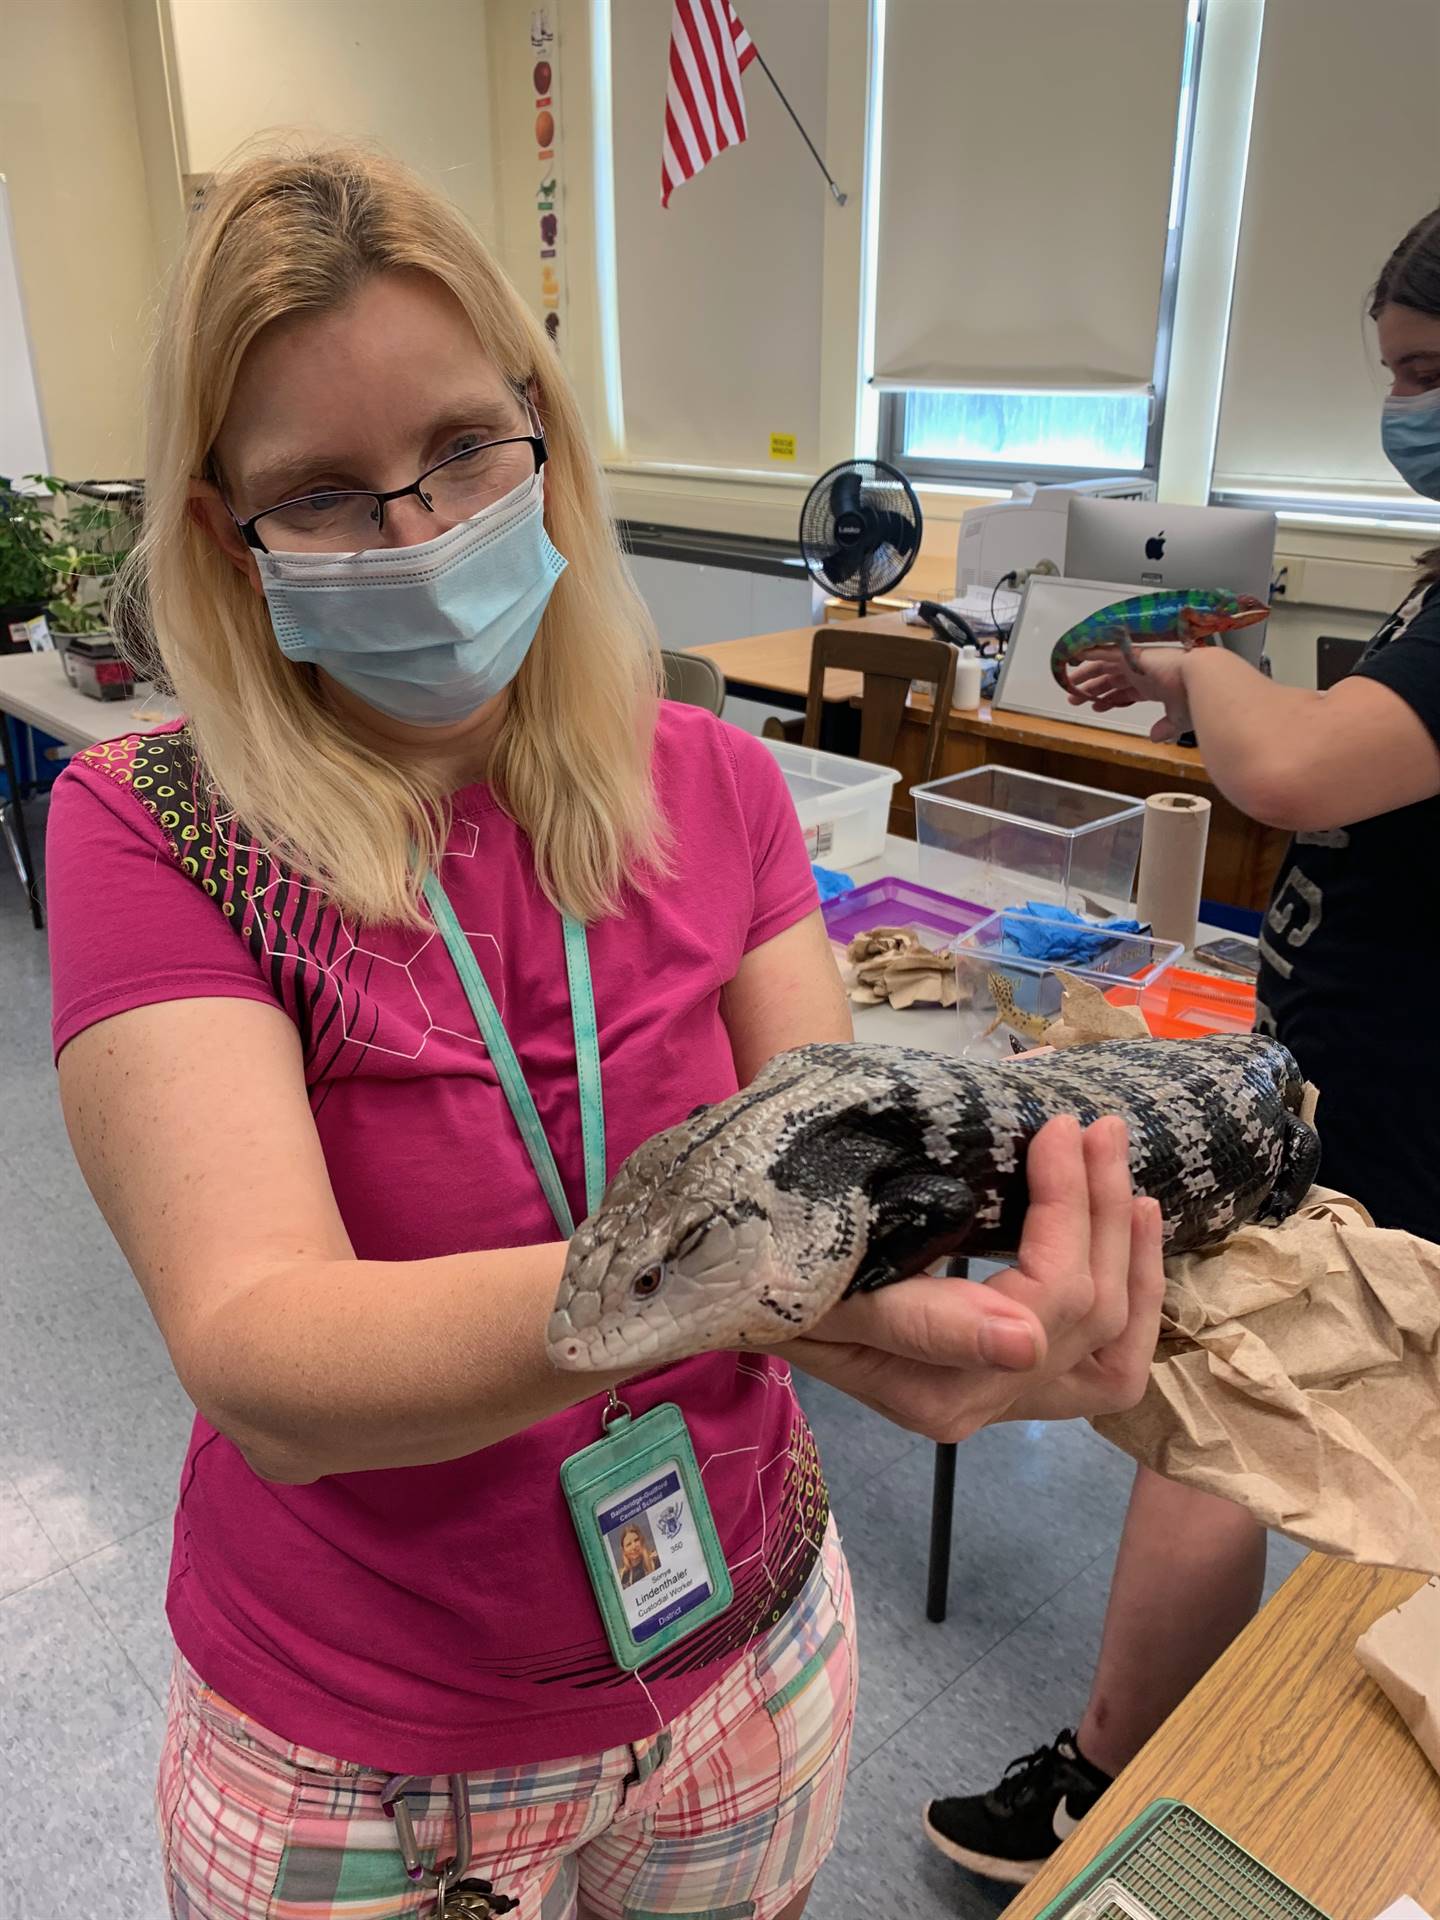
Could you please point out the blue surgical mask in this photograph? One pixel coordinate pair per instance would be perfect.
(427, 633)
(1410, 435)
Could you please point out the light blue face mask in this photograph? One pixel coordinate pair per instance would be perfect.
(1410, 435)
(427, 633)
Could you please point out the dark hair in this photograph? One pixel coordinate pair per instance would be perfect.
(1411, 278)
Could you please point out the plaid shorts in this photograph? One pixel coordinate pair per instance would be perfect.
(726, 1815)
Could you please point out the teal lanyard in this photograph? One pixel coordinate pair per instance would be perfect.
(507, 1066)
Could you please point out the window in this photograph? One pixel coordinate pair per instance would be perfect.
(1327, 194)
(1094, 432)
(1086, 295)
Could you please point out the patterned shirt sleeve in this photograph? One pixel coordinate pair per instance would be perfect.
(128, 927)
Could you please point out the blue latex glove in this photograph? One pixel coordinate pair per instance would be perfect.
(830, 883)
(1060, 937)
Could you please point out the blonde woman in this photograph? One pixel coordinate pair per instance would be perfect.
(637, 1561)
(427, 847)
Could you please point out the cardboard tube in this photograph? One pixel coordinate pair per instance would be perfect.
(1172, 864)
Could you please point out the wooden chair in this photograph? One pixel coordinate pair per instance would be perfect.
(889, 663)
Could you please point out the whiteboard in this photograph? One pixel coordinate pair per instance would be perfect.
(22, 429)
(1051, 607)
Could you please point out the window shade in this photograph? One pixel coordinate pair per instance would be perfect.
(720, 293)
(1344, 157)
(1027, 153)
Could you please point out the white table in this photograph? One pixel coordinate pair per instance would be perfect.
(934, 1027)
(34, 690)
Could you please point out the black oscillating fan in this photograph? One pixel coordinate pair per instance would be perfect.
(860, 529)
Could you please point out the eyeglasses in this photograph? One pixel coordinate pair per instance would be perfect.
(458, 486)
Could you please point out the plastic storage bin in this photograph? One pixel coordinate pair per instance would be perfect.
(1183, 1004)
(843, 804)
(1006, 999)
(893, 902)
(1003, 837)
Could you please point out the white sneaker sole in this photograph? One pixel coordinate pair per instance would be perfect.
(1014, 1873)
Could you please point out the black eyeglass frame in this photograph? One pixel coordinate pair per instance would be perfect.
(252, 539)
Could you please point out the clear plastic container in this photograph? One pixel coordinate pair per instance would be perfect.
(843, 804)
(1007, 999)
(1003, 837)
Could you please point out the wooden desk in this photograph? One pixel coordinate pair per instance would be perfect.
(1291, 1749)
(1241, 857)
(779, 663)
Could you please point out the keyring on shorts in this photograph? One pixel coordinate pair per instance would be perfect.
(396, 1808)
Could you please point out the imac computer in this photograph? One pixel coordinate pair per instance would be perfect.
(1158, 545)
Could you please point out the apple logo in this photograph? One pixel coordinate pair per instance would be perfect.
(1155, 546)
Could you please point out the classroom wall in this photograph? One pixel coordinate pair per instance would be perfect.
(413, 77)
(817, 273)
(517, 172)
(70, 150)
(153, 82)
(165, 89)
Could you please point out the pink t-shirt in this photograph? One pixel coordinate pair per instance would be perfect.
(433, 1619)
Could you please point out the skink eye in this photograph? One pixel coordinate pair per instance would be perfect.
(645, 1285)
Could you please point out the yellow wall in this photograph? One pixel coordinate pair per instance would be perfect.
(410, 74)
(70, 150)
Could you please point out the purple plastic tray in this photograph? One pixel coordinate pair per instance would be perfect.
(891, 902)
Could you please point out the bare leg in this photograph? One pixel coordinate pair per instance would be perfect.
(1187, 1578)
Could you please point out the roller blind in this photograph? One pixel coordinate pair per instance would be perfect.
(720, 293)
(1027, 155)
(1344, 156)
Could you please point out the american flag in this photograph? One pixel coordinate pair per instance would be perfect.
(704, 102)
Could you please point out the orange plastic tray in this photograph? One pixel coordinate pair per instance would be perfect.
(1182, 1003)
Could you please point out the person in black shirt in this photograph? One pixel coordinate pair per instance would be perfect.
(1350, 951)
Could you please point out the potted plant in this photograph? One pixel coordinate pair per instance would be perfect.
(27, 575)
(90, 543)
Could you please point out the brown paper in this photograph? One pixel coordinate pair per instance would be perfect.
(894, 964)
(1086, 1015)
(1401, 1654)
(1298, 1374)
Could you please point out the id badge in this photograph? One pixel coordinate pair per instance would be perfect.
(647, 1535)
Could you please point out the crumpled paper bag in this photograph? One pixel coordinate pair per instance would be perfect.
(1085, 1015)
(1298, 1374)
(894, 964)
(1401, 1654)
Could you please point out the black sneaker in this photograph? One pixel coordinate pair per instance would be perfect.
(1010, 1832)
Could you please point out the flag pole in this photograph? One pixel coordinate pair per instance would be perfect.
(840, 198)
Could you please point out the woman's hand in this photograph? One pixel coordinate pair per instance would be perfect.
(1070, 1329)
(1105, 680)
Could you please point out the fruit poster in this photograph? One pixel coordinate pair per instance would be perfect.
(549, 215)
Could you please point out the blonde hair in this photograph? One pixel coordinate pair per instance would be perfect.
(287, 232)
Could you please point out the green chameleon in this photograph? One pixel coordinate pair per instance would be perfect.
(1192, 619)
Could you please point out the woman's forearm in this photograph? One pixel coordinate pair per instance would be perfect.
(1250, 730)
(337, 1366)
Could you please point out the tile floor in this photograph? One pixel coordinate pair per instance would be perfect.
(92, 1429)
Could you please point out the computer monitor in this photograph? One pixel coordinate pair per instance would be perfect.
(1158, 545)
